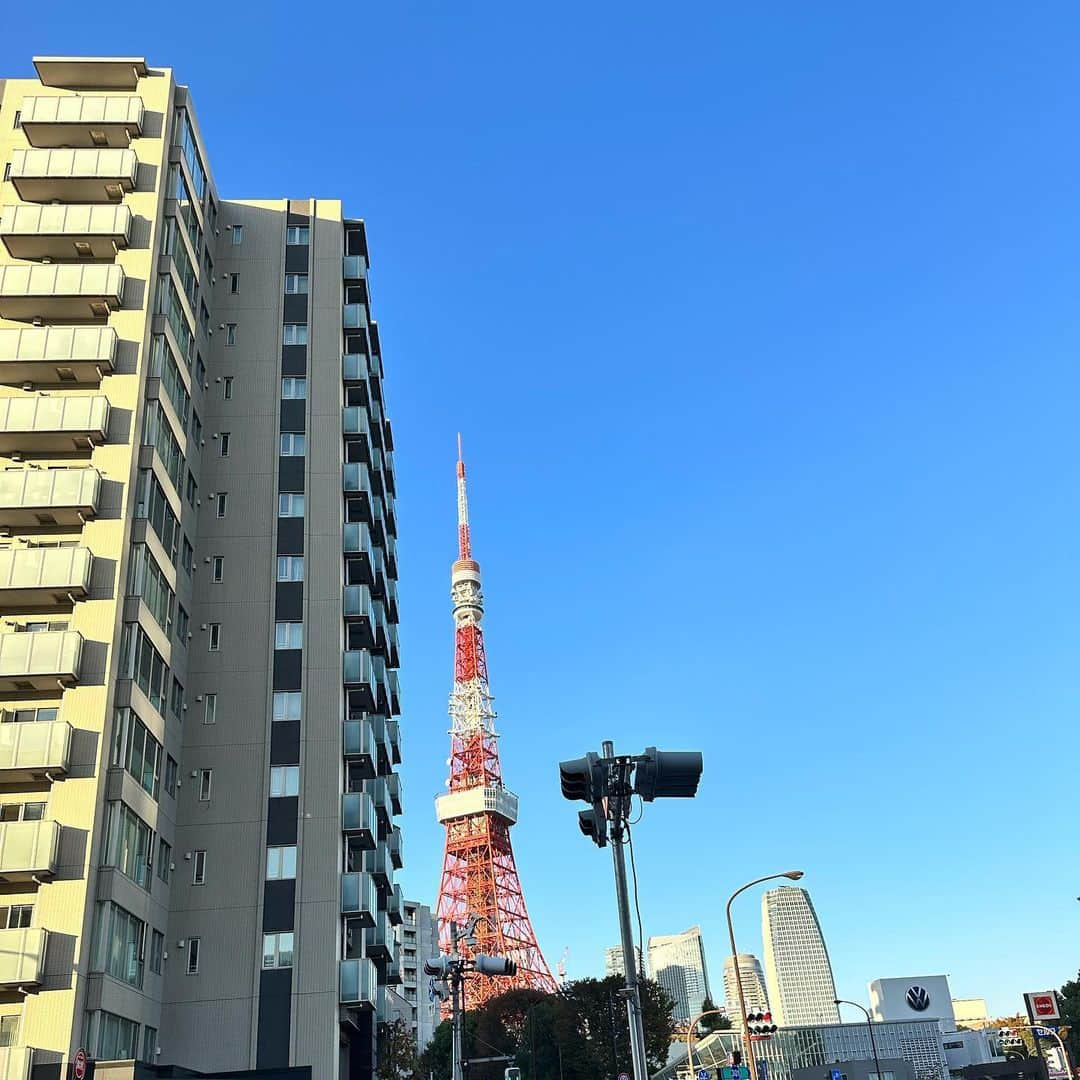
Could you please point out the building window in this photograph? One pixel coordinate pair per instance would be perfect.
(226, 388)
(183, 621)
(293, 388)
(217, 569)
(171, 770)
(17, 917)
(290, 504)
(157, 951)
(278, 950)
(296, 283)
(9, 1030)
(128, 844)
(137, 751)
(293, 444)
(214, 636)
(28, 811)
(280, 863)
(18, 118)
(149, 1045)
(164, 860)
(196, 428)
(287, 705)
(290, 568)
(117, 1037)
(223, 445)
(209, 708)
(193, 955)
(230, 333)
(192, 489)
(289, 635)
(188, 558)
(234, 283)
(198, 867)
(294, 334)
(296, 235)
(237, 235)
(206, 777)
(221, 503)
(284, 781)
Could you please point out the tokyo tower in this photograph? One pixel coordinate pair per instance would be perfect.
(479, 873)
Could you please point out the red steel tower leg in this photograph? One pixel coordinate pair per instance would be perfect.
(479, 874)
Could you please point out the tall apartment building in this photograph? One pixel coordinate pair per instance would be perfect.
(418, 939)
(613, 961)
(198, 611)
(797, 968)
(677, 963)
(753, 985)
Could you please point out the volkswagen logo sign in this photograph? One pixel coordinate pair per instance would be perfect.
(918, 999)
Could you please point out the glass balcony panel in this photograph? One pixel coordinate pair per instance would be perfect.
(354, 267)
(377, 864)
(355, 478)
(354, 316)
(30, 751)
(15, 1062)
(358, 983)
(60, 291)
(393, 732)
(82, 120)
(44, 575)
(356, 539)
(48, 496)
(33, 231)
(53, 423)
(51, 354)
(28, 849)
(74, 176)
(359, 747)
(359, 898)
(358, 817)
(41, 660)
(394, 789)
(22, 956)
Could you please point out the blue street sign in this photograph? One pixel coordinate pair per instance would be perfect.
(835, 1074)
(763, 1069)
(1045, 1032)
(703, 1074)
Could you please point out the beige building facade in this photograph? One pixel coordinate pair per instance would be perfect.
(198, 608)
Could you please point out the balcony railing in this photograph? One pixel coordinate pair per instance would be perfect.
(354, 316)
(82, 120)
(359, 898)
(356, 368)
(354, 479)
(48, 496)
(377, 864)
(43, 423)
(33, 752)
(32, 231)
(358, 675)
(15, 1062)
(379, 940)
(358, 818)
(28, 849)
(383, 751)
(359, 745)
(91, 72)
(357, 988)
(354, 267)
(22, 956)
(356, 540)
(394, 789)
(53, 354)
(78, 176)
(354, 424)
(395, 905)
(44, 576)
(393, 845)
(40, 660)
(60, 291)
(393, 732)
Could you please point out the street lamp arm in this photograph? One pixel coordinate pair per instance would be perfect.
(844, 1001)
(761, 880)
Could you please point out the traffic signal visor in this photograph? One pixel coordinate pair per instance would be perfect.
(667, 774)
(576, 778)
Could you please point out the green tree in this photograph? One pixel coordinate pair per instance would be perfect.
(396, 1051)
(717, 1022)
(1069, 997)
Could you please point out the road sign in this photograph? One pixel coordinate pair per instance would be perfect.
(624, 1076)
(835, 1074)
(1042, 1005)
(78, 1064)
(703, 1074)
(1044, 1032)
(735, 1072)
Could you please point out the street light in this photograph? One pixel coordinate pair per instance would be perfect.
(690, 1035)
(870, 1026)
(791, 875)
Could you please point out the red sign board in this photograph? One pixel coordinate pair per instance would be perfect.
(1042, 1006)
(78, 1064)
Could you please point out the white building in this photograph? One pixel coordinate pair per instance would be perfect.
(613, 961)
(797, 968)
(753, 981)
(677, 963)
(418, 940)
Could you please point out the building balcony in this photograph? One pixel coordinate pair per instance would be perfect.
(395, 905)
(358, 609)
(91, 72)
(355, 426)
(33, 231)
(354, 316)
(22, 957)
(393, 734)
(393, 684)
(357, 987)
(355, 480)
(56, 354)
(394, 790)
(383, 752)
(34, 752)
(52, 424)
(359, 744)
(28, 850)
(378, 941)
(41, 660)
(359, 899)
(358, 818)
(359, 677)
(15, 1062)
(63, 291)
(79, 120)
(377, 864)
(393, 651)
(393, 845)
(74, 176)
(356, 540)
(48, 496)
(354, 267)
(44, 577)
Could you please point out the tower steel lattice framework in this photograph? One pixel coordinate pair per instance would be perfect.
(479, 873)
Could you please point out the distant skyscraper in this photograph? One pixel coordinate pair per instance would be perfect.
(797, 968)
(753, 986)
(613, 964)
(677, 963)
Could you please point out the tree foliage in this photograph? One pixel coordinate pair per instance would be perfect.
(718, 1021)
(396, 1052)
(579, 1033)
(1069, 997)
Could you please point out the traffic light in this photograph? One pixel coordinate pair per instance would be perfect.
(493, 965)
(736, 1058)
(438, 966)
(583, 779)
(670, 774)
(760, 1024)
(593, 823)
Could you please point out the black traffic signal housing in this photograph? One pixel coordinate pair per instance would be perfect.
(593, 823)
(583, 779)
(670, 774)
(736, 1058)
(760, 1023)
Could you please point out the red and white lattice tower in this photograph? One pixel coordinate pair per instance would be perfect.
(479, 874)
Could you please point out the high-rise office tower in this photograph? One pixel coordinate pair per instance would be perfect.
(418, 938)
(677, 963)
(797, 969)
(753, 984)
(613, 961)
(197, 601)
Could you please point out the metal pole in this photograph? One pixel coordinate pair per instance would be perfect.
(532, 1042)
(457, 1028)
(748, 1047)
(614, 1042)
(633, 993)
(870, 1026)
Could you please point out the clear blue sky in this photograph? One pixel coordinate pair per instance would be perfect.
(762, 327)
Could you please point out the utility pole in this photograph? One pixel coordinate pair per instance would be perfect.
(605, 783)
